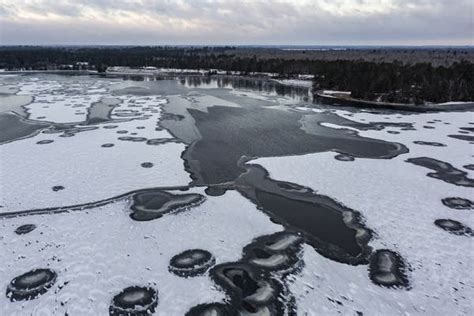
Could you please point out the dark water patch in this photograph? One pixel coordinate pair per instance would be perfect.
(122, 132)
(277, 252)
(134, 301)
(107, 145)
(344, 157)
(454, 227)
(435, 144)
(467, 129)
(147, 165)
(153, 204)
(158, 141)
(132, 139)
(443, 171)
(458, 203)
(150, 88)
(14, 127)
(211, 309)
(469, 167)
(468, 138)
(229, 133)
(128, 114)
(215, 190)
(191, 263)
(388, 269)
(25, 229)
(172, 117)
(258, 284)
(248, 291)
(325, 228)
(140, 127)
(57, 188)
(45, 141)
(293, 187)
(334, 230)
(66, 134)
(100, 112)
(393, 132)
(428, 127)
(31, 284)
(110, 126)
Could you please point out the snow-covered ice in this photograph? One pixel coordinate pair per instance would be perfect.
(99, 252)
(400, 203)
(96, 163)
(101, 139)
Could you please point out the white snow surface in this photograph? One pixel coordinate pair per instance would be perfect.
(62, 101)
(87, 171)
(296, 82)
(400, 203)
(98, 252)
(61, 108)
(335, 92)
(101, 251)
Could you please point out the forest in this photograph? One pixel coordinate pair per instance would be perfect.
(395, 81)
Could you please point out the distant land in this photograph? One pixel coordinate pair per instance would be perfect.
(384, 74)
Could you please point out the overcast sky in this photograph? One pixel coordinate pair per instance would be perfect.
(305, 22)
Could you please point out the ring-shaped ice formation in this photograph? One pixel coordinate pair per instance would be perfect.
(134, 301)
(458, 203)
(387, 269)
(191, 262)
(454, 227)
(31, 284)
(152, 204)
(25, 229)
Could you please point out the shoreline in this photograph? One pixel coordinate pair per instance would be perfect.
(322, 98)
(327, 99)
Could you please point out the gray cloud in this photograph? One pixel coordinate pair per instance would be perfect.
(144, 22)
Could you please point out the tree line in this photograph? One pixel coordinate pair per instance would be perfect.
(387, 81)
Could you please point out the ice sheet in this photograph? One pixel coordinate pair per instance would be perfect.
(101, 251)
(400, 203)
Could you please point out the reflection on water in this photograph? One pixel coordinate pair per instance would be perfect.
(269, 87)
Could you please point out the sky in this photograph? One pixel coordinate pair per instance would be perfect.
(226, 22)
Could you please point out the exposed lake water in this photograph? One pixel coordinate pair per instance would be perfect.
(164, 147)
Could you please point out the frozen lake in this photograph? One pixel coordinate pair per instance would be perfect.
(228, 196)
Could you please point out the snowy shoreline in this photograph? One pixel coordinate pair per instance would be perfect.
(326, 97)
(343, 98)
